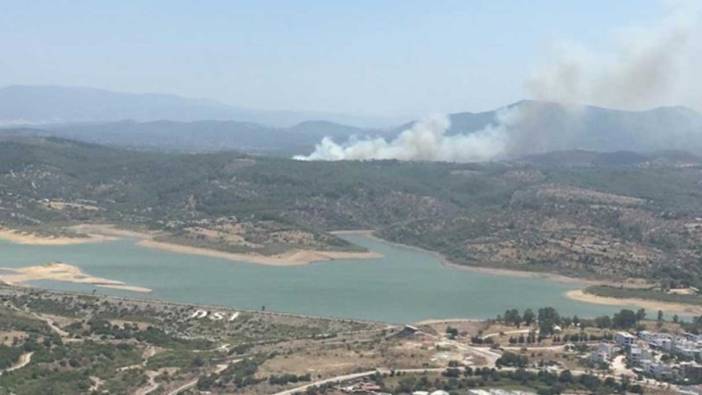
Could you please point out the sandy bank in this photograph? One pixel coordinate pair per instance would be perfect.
(104, 232)
(110, 231)
(432, 321)
(19, 237)
(290, 258)
(61, 272)
(647, 304)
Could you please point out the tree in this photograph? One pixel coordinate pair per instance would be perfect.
(624, 319)
(660, 315)
(407, 384)
(512, 317)
(640, 314)
(512, 360)
(566, 321)
(451, 332)
(548, 319)
(528, 317)
(205, 382)
(566, 377)
(198, 361)
(603, 322)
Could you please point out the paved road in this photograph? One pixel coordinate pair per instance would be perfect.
(336, 379)
(347, 377)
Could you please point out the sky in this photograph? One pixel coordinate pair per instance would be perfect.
(365, 57)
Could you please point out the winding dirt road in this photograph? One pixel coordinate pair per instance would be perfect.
(23, 361)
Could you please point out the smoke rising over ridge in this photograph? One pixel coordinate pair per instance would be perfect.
(647, 68)
(426, 140)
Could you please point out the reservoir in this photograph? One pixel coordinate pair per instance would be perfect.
(405, 285)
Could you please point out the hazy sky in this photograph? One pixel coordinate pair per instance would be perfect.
(362, 57)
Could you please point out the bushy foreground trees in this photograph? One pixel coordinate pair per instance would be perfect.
(548, 320)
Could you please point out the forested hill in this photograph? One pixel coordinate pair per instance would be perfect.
(616, 214)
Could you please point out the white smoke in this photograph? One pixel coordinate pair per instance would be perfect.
(426, 140)
(648, 67)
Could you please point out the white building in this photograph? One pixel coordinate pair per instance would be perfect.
(603, 353)
(661, 341)
(656, 369)
(637, 354)
(686, 348)
(624, 339)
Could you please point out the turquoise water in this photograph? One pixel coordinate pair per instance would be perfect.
(404, 285)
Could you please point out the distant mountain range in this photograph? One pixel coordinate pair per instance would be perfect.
(152, 121)
(205, 136)
(24, 104)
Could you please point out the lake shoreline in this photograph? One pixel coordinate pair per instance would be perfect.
(446, 262)
(146, 239)
(581, 296)
(95, 233)
(28, 238)
(578, 294)
(374, 291)
(290, 258)
(57, 271)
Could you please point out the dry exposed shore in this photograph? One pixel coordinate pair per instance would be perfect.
(61, 272)
(19, 237)
(99, 233)
(577, 294)
(681, 308)
(103, 232)
(290, 258)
